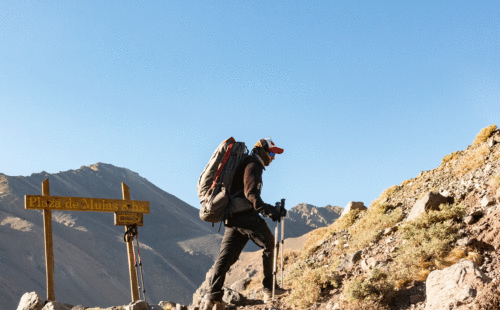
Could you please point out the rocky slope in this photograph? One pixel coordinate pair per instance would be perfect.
(429, 243)
(402, 252)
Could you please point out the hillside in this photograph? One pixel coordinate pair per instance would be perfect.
(429, 243)
(395, 256)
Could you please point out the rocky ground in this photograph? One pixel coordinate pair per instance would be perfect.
(470, 178)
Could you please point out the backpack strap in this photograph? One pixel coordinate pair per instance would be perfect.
(226, 157)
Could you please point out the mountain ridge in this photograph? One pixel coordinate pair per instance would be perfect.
(171, 253)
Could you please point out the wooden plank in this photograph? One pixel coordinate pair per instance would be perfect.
(127, 218)
(85, 204)
(49, 245)
(134, 288)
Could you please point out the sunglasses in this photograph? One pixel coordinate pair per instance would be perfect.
(271, 154)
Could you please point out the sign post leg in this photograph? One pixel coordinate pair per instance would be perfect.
(130, 250)
(49, 245)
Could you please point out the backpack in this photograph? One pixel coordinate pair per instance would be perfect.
(215, 181)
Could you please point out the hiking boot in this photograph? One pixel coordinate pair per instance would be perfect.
(209, 304)
(268, 294)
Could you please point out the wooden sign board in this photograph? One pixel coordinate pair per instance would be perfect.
(85, 204)
(126, 218)
(127, 212)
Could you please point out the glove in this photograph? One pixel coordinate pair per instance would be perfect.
(283, 214)
(271, 212)
(275, 214)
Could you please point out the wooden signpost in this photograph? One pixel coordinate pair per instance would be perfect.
(127, 213)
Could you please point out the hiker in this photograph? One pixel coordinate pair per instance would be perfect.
(241, 227)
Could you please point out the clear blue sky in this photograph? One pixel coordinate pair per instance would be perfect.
(362, 95)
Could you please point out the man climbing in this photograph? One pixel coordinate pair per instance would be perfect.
(247, 225)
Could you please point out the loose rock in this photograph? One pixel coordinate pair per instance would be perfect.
(30, 301)
(353, 205)
(444, 288)
(430, 201)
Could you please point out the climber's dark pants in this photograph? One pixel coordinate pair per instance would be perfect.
(239, 229)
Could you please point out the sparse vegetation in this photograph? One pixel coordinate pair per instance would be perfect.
(371, 223)
(450, 157)
(388, 192)
(472, 160)
(320, 234)
(424, 245)
(308, 284)
(308, 280)
(484, 134)
(374, 287)
(427, 243)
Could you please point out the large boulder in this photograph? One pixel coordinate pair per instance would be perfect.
(431, 201)
(30, 301)
(353, 205)
(454, 285)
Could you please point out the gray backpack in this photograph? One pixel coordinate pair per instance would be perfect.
(215, 181)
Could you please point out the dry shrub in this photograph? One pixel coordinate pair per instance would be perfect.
(450, 157)
(308, 280)
(309, 283)
(368, 227)
(472, 160)
(484, 134)
(375, 287)
(427, 243)
(388, 192)
(345, 221)
(488, 298)
(456, 254)
(476, 258)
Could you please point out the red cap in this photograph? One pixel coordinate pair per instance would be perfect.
(269, 145)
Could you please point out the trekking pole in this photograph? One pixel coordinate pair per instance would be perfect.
(282, 239)
(129, 237)
(275, 262)
(140, 264)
